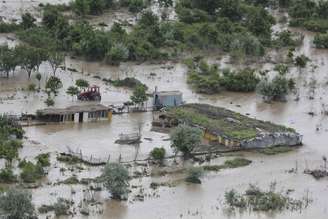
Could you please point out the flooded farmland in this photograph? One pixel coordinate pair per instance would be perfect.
(307, 116)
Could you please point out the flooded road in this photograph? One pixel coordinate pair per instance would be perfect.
(182, 201)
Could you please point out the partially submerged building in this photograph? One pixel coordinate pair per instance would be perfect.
(167, 98)
(229, 128)
(76, 114)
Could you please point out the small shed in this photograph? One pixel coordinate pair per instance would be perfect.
(77, 114)
(167, 98)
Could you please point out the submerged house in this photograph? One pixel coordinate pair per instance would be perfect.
(167, 98)
(76, 114)
(229, 128)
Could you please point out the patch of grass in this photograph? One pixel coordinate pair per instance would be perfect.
(71, 180)
(234, 163)
(222, 121)
(275, 150)
(237, 162)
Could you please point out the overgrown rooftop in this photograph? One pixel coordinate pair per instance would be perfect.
(221, 121)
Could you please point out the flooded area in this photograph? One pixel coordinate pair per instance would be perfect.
(183, 200)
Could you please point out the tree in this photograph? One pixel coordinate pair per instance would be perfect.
(28, 21)
(54, 84)
(38, 76)
(16, 204)
(158, 154)
(115, 177)
(139, 95)
(185, 138)
(117, 53)
(55, 59)
(72, 91)
(81, 83)
(81, 7)
(8, 60)
(29, 58)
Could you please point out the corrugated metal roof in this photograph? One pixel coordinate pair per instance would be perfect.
(74, 109)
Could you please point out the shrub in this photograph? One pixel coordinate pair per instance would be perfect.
(7, 176)
(193, 175)
(31, 172)
(17, 204)
(62, 206)
(244, 80)
(158, 154)
(321, 41)
(43, 160)
(115, 177)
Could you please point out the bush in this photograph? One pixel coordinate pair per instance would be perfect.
(321, 41)
(276, 89)
(31, 172)
(7, 176)
(16, 204)
(62, 206)
(241, 81)
(115, 177)
(158, 154)
(193, 175)
(43, 160)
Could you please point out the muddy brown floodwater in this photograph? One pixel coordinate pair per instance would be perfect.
(182, 201)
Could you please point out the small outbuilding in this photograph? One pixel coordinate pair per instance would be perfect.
(167, 98)
(76, 114)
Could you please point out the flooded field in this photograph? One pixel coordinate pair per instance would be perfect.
(183, 200)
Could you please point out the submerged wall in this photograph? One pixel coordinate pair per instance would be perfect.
(273, 139)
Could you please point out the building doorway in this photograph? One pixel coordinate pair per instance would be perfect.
(80, 117)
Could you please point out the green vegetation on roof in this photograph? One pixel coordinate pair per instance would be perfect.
(224, 122)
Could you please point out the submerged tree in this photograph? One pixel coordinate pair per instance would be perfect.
(54, 84)
(82, 84)
(185, 138)
(72, 91)
(139, 95)
(116, 179)
(16, 204)
(55, 59)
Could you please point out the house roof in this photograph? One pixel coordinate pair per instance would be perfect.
(74, 109)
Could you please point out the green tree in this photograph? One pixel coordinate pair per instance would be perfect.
(17, 204)
(55, 59)
(116, 179)
(28, 21)
(8, 60)
(185, 138)
(54, 84)
(117, 53)
(82, 84)
(29, 58)
(139, 95)
(81, 7)
(72, 91)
